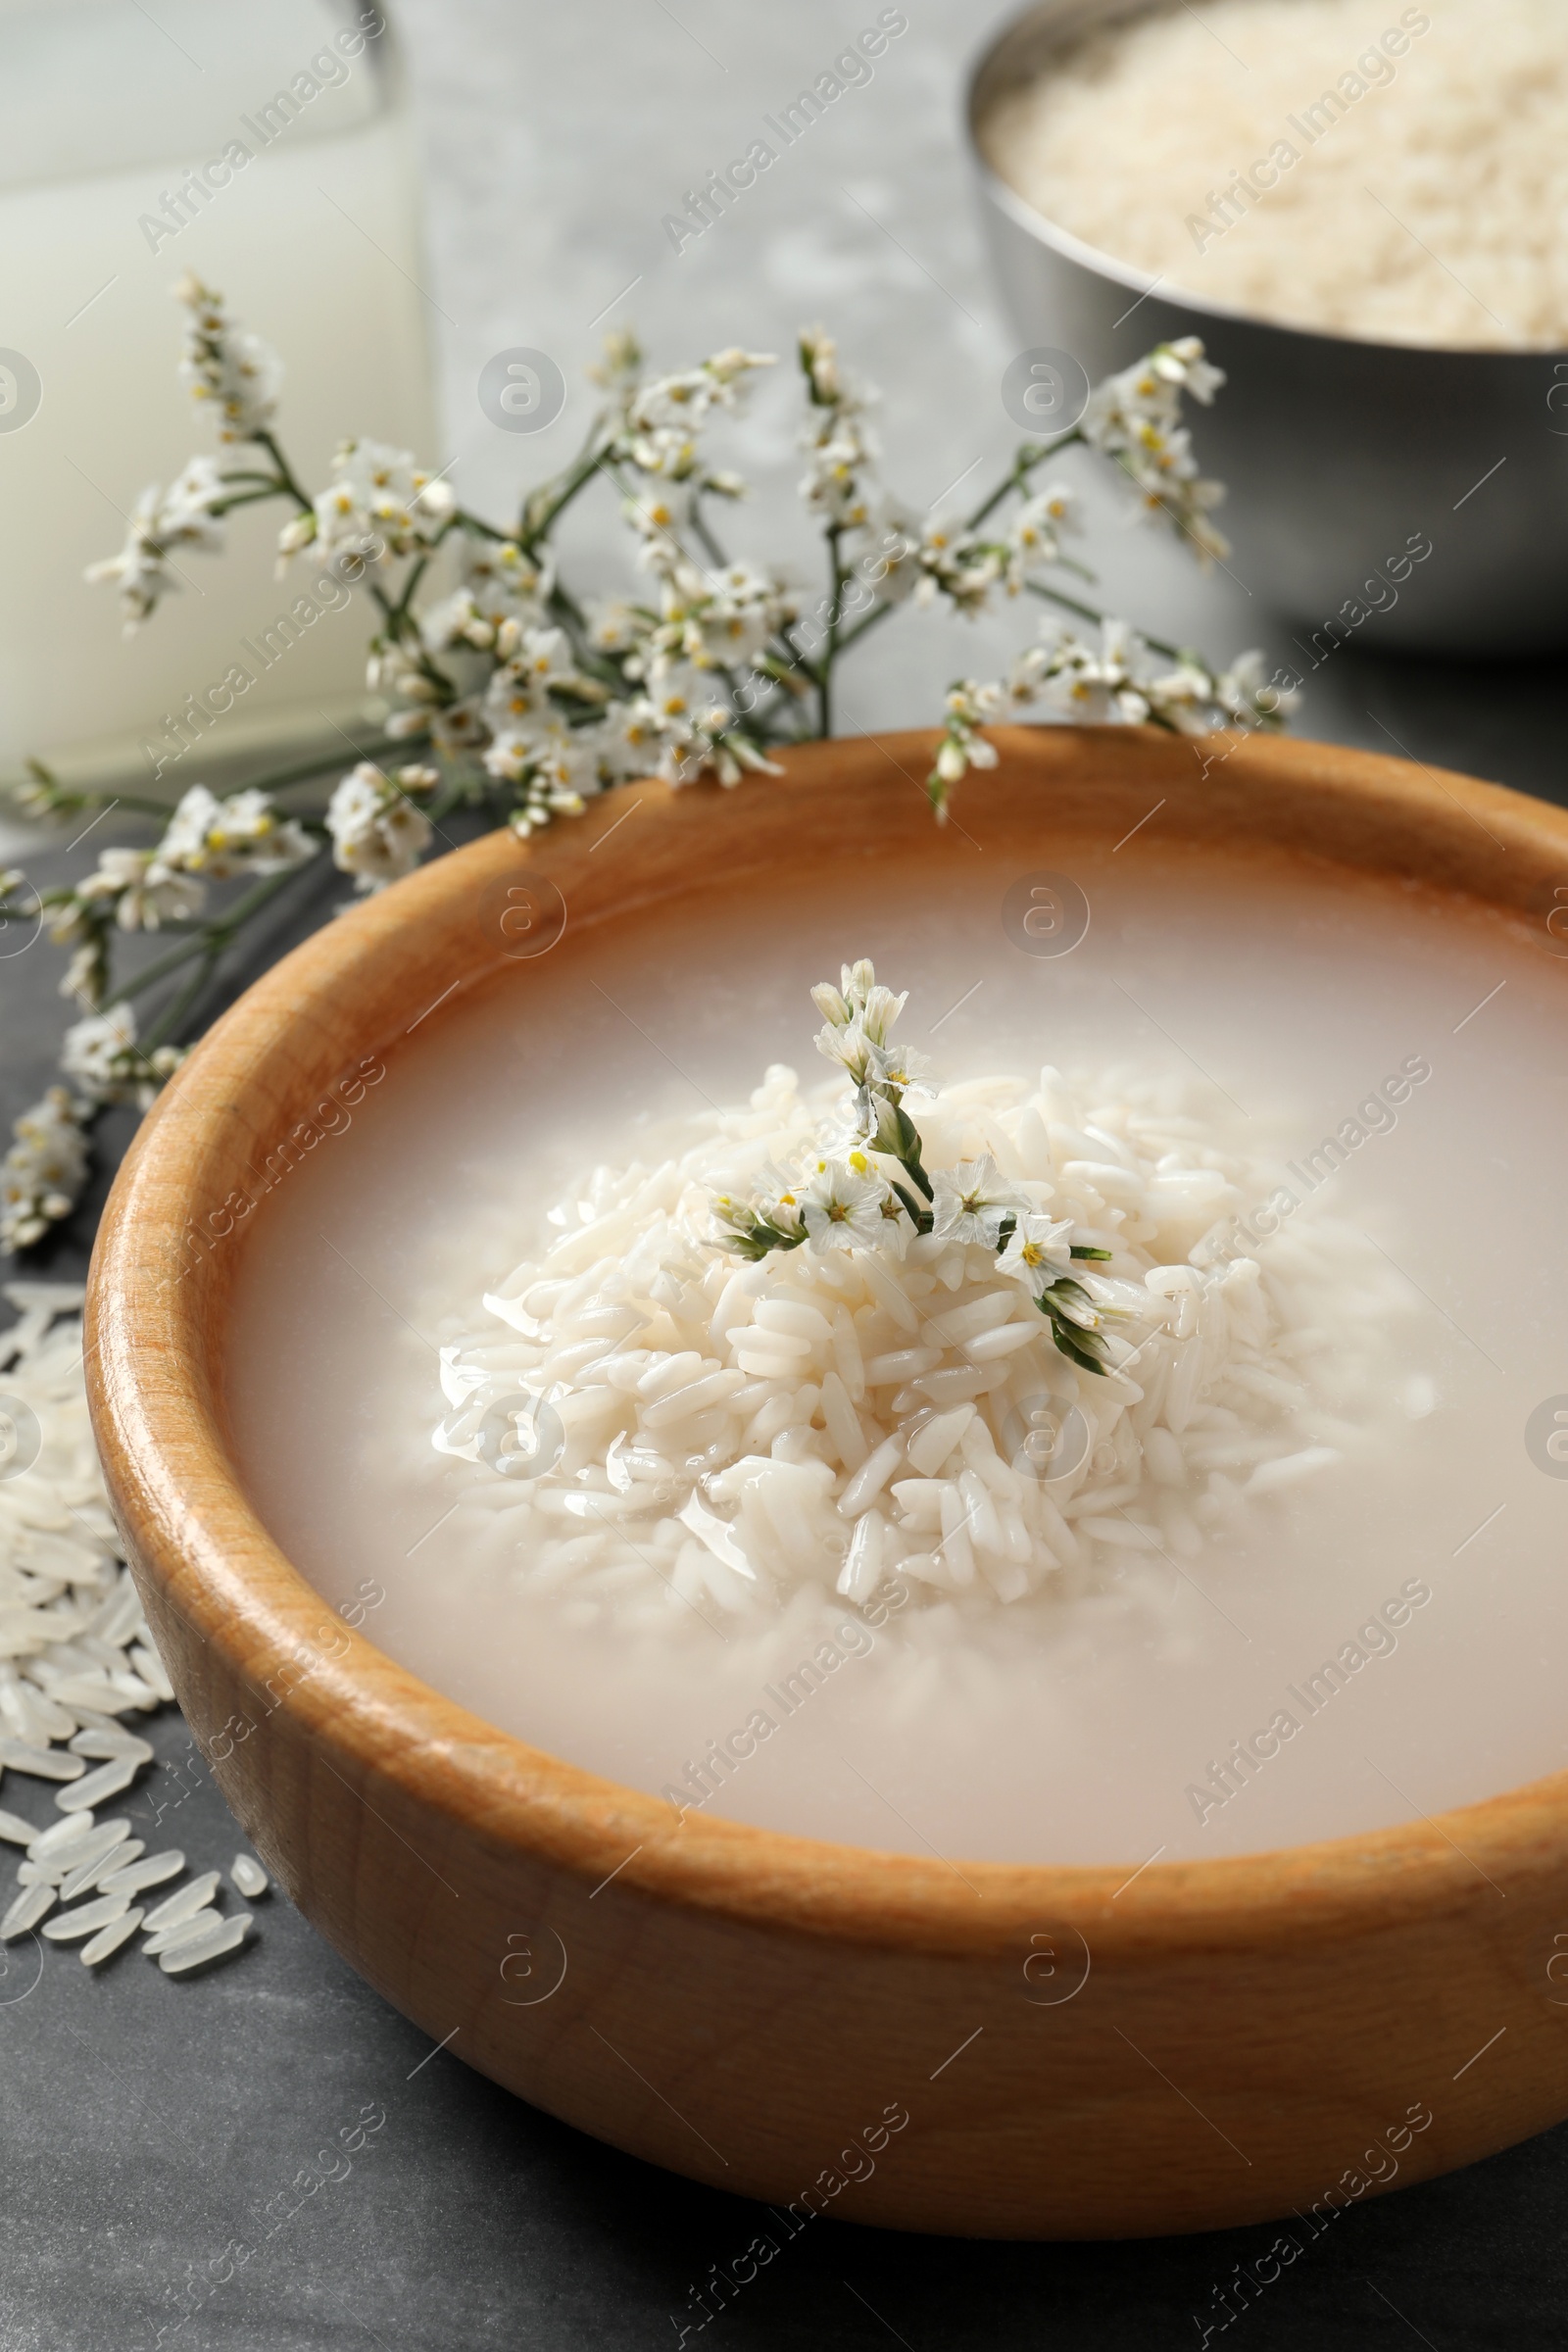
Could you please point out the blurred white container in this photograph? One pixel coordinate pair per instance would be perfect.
(105, 109)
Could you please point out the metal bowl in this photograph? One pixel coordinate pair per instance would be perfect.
(1341, 454)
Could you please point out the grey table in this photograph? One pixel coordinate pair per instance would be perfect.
(151, 2131)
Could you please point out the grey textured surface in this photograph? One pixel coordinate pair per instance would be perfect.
(151, 2131)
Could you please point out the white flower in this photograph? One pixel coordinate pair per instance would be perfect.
(889, 559)
(683, 707)
(663, 418)
(720, 622)
(897, 1066)
(859, 1030)
(859, 998)
(969, 708)
(658, 515)
(627, 742)
(1183, 364)
(846, 1044)
(86, 976)
(458, 726)
(1245, 693)
(242, 835)
(182, 517)
(555, 765)
(222, 364)
(500, 585)
(614, 627)
(145, 893)
(543, 657)
(1037, 530)
(834, 485)
(1038, 1252)
(819, 360)
(843, 1203)
(1096, 687)
(970, 1202)
(956, 565)
(100, 1053)
(840, 448)
(44, 1172)
(1135, 418)
(379, 504)
(377, 832)
(779, 1198)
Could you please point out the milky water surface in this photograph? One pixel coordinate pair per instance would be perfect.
(1283, 998)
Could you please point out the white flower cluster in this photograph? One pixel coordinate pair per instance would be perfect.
(1122, 681)
(161, 521)
(378, 830)
(841, 450)
(662, 421)
(142, 890)
(500, 586)
(650, 689)
(533, 694)
(908, 559)
(239, 375)
(713, 621)
(561, 703)
(236, 370)
(246, 834)
(379, 505)
(1134, 418)
(709, 625)
(879, 1194)
(42, 1174)
(101, 1053)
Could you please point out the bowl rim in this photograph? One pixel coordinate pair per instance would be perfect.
(1016, 207)
(152, 1344)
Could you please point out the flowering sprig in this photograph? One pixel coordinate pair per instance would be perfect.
(1135, 420)
(44, 1172)
(1130, 678)
(855, 1198)
(509, 695)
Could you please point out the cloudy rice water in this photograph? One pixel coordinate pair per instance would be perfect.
(843, 1541)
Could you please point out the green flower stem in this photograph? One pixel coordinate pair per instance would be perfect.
(247, 498)
(285, 473)
(211, 938)
(837, 577)
(305, 771)
(417, 572)
(475, 524)
(71, 804)
(575, 479)
(180, 1003)
(710, 545)
(565, 607)
(399, 625)
(1030, 455)
(867, 620)
(1071, 603)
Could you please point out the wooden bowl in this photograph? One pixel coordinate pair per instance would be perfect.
(1215, 2044)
